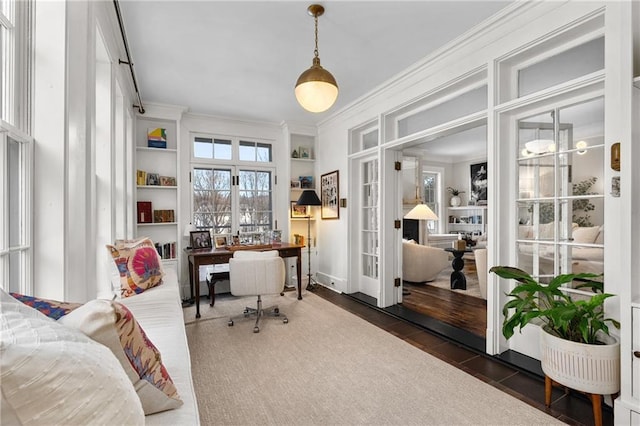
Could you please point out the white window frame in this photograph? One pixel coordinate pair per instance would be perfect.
(235, 165)
(16, 63)
(24, 187)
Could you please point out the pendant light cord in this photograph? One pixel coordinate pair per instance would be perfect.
(315, 52)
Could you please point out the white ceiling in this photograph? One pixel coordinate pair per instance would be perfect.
(241, 59)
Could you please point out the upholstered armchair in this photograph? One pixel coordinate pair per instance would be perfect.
(422, 263)
(255, 273)
(481, 268)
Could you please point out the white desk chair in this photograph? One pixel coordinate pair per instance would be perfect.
(255, 273)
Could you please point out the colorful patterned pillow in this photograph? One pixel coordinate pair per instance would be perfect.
(138, 263)
(51, 308)
(112, 324)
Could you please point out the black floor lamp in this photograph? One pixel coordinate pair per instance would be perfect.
(309, 198)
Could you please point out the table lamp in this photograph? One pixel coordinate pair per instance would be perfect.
(309, 198)
(422, 212)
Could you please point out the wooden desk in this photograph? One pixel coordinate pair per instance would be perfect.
(213, 256)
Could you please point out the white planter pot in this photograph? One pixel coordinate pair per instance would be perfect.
(455, 201)
(588, 368)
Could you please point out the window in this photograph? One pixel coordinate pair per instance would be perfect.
(254, 151)
(15, 62)
(217, 149)
(430, 190)
(229, 198)
(15, 234)
(16, 147)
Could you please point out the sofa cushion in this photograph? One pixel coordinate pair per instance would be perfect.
(600, 237)
(51, 308)
(51, 374)
(585, 234)
(112, 324)
(138, 263)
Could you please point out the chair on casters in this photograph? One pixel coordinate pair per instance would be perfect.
(255, 273)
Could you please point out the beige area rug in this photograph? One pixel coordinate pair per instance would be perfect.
(330, 367)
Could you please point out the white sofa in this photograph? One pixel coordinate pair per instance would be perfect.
(422, 263)
(587, 258)
(159, 312)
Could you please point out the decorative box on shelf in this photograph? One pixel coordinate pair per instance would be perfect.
(157, 138)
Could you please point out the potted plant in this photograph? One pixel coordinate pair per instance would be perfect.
(455, 199)
(577, 349)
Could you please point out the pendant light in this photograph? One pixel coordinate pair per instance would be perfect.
(316, 89)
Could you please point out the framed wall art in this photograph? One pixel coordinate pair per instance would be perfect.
(330, 195)
(479, 182)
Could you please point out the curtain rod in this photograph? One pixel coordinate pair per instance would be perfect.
(128, 61)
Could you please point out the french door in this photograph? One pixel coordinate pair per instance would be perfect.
(233, 200)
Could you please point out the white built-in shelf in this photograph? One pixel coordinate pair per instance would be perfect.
(157, 187)
(301, 218)
(307, 160)
(468, 208)
(149, 149)
(158, 224)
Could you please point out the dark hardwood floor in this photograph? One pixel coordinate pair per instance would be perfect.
(454, 308)
(504, 372)
(459, 310)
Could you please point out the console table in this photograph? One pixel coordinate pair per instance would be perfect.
(200, 257)
(458, 280)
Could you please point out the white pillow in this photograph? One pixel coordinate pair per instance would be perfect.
(585, 234)
(53, 375)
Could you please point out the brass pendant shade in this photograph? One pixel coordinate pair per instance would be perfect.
(316, 89)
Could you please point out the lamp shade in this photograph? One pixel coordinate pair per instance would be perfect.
(316, 89)
(421, 212)
(308, 198)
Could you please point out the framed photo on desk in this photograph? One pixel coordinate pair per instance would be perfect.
(200, 239)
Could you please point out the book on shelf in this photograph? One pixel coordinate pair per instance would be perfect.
(157, 137)
(141, 177)
(144, 212)
(166, 250)
(163, 216)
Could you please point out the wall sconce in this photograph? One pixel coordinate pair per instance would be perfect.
(615, 156)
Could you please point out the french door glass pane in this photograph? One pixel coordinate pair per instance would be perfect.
(561, 191)
(369, 219)
(212, 199)
(255, 197)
